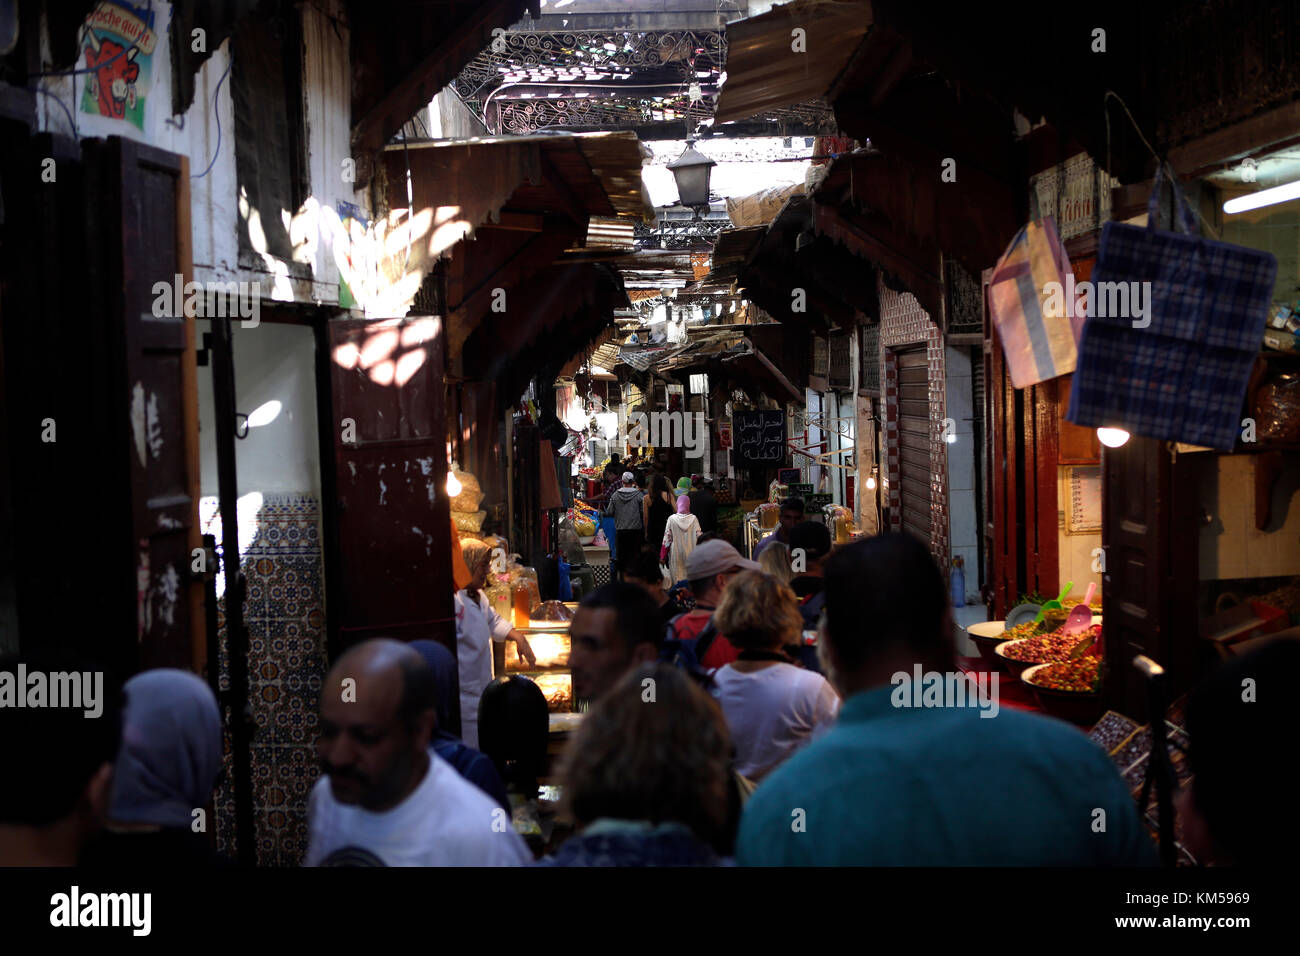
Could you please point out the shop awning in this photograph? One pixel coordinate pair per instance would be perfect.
(403, 54)
(794, 281)
(568, 307)
(729, 353)
(889, 211)
(524, 200)
(730, 252)
(769, 65)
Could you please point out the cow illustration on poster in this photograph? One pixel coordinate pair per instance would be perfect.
(117, 45)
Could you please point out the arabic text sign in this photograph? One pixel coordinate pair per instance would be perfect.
(760, 436)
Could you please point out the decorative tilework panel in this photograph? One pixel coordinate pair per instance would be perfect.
(285, 615)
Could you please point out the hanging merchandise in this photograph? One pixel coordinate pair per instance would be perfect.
(1173, 360)
(1031, 303)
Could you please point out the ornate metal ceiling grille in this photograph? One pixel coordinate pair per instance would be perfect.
(629, 78)
(678, 233)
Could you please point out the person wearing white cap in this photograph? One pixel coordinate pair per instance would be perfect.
(709, 568)
(629, 530)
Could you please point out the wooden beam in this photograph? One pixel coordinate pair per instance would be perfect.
(517, 222)
(1261, 134)
(777, 374)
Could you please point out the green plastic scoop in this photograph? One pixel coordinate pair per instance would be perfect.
(1055, 605)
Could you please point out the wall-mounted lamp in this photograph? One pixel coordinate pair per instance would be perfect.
(1112, 437)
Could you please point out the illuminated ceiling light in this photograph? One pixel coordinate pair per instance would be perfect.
(1112, 437)
(1265, 197)
(453, 485)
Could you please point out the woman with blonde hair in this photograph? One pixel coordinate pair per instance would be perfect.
(775, 560)
(773, 706)
(646, 777)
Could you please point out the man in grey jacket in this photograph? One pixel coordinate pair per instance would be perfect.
(629, 530)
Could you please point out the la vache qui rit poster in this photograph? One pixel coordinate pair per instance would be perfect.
(117, 45)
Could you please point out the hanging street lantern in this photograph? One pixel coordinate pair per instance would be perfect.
(691, 171)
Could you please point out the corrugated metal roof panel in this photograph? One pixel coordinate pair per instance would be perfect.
(770, 66)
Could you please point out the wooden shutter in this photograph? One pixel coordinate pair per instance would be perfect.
(394, 518)
(156, 394)
(1149, 534)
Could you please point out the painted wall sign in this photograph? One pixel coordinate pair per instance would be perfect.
(117, 43)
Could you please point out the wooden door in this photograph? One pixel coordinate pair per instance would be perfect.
(914, 435)
(1022, 532)
(144, 188)
(390, 451)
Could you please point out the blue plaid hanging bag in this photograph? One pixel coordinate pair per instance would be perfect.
(1174, 325)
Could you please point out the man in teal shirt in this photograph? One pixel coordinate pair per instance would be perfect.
(947, 782)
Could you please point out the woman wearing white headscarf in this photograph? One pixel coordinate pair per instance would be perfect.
(477, 626)
(680, 534)
(167, 766)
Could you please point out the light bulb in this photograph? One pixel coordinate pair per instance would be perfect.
(1112, 437)
(871, 484)
(453, 486)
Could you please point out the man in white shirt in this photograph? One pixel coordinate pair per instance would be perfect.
(385, 799)
(477, 626)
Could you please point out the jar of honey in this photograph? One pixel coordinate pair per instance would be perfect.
(523, 604)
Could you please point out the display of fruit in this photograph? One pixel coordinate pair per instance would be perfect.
(1052, 646)
(584, 527)
(1080, 676)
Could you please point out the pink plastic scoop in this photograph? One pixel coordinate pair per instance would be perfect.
(1080, 618)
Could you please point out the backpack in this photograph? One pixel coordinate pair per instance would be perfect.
(688, 653)
(811, 610)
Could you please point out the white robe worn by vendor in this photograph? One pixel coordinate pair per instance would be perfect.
(477, 627)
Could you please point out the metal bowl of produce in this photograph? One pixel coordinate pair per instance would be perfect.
(1022, 613)
(987, 635)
